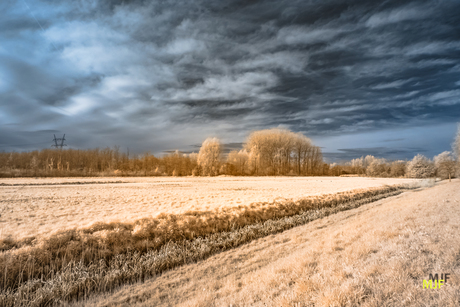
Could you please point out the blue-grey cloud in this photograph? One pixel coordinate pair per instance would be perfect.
(159, 75)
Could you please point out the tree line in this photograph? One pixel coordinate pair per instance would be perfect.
(269, 152)
(266, 152)
(445, 165)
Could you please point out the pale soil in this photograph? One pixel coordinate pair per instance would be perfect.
(36, 207)
(375, 255)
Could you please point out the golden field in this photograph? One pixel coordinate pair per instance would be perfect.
(35, 207)
(67, 262)
(374, 255)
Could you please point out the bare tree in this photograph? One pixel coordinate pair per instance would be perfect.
(302, 145)
(445, 165)
(209, 157)
(313, 161)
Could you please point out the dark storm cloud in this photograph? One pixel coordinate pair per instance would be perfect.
(156, 75)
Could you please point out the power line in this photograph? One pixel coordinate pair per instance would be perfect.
(38, 22)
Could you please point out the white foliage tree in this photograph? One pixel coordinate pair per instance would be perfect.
(280, 151)
(209, 156)
(420, 167)
(445, 165)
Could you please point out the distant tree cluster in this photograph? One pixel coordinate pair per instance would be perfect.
(443, 165)
(373, 167)
(281, 152)
(93, 162)
(267, 152)
(446, 165)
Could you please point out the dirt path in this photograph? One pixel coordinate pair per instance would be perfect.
(375, 255)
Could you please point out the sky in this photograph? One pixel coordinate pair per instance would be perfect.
(357, 77)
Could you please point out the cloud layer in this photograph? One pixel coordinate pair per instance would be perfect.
(161, 75)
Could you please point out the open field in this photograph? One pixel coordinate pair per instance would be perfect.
(35, 207)
(374, 255)
(75, 262)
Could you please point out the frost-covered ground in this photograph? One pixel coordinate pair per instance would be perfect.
(42, 206)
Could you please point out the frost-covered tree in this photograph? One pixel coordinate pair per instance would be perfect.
(445, 165)
(209, 157)
(420, 167)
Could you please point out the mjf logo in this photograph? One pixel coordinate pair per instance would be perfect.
(437, 282)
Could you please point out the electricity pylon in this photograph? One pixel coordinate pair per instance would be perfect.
(59, 142)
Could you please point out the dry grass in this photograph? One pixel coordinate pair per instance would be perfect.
(374, 255)
(74, 263)
(28, 209)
